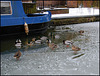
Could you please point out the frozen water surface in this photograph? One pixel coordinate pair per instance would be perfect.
(41, 60)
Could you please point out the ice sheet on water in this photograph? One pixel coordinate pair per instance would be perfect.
(59, 61)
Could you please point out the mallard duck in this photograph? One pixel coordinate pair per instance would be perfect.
(38, 42)
(18, 43)
(81, 31)
(33, 39)
(51, 45)
(67, 42)
(48, 41)
(17, 55)
(42, 40)
(30, 44)
(75, 48)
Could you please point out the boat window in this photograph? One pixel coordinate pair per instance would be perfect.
(5, 8)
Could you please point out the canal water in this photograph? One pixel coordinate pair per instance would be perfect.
(41, 60)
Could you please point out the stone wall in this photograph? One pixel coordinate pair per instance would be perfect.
(68, 21)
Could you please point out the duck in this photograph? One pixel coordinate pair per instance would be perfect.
(17, 55)
(18, 43)
(75, 49)
(43, 38)
(81, 31)
(67, 42)
(48, 41)
(33, 39)
(51, 45)
(38, 42)
(30, 44)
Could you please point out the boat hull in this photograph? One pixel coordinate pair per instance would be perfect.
(19, 29)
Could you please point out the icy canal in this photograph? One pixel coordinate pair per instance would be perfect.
(41, 60)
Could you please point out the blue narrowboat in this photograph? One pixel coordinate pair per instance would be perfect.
(15, 21)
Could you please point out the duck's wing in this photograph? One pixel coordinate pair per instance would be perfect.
(77, 48)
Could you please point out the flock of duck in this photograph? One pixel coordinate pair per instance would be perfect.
(50, 44)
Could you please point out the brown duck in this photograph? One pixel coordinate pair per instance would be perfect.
(75, 48)
(51, 45)
(17, 55)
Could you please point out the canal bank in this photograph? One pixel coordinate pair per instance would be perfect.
(68, 21)
(76, 16)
